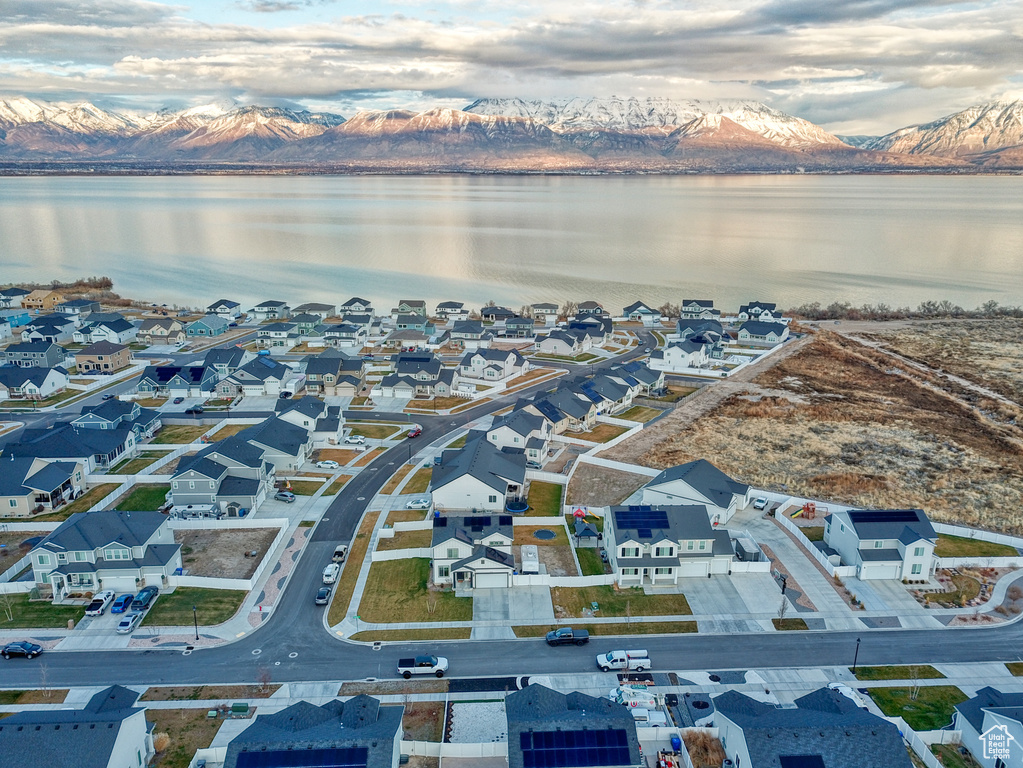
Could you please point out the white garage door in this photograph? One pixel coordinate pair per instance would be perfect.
(879, 571)
(693, 569)
(491, 580)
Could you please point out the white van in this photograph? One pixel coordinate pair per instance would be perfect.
(330, 573)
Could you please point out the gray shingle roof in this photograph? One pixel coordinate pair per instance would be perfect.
(94, 530)
(989, 698)
(761, 328)
(879, 524)
(480, 459)
(684, 522)
(705, 478)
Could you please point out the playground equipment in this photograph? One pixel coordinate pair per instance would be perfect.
(809, 510)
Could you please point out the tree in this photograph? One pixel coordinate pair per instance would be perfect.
(525, 311)
(7, 605)
(568, 309)
(161, 741)
(783, 608)
(670, 310)
(490, 303)
(265, 677)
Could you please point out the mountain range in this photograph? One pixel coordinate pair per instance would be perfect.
(572, 135)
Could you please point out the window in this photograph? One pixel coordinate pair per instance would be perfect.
(81, 557)
(43, 559)
(630, 571)
(663, 571)
(918, 552)
(453, 553)
(630, 552)
(191, 485)
(443, 571)
(493, 499)
(917, 569)
(703, 545)
(878, 544)
(690, 546)
(62, 557)
(174, 485)
(116, 554)
(664, 551)
(12, 502)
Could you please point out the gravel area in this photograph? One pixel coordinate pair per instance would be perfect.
(473, 723)
(165, 641)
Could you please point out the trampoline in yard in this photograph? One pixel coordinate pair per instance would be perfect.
(516, 507)
(544, 535)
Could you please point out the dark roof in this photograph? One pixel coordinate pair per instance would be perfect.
(647, 524)
(162, 374)
(824, 723)
(94, 530)
(762, 328)
(67, 442)
(33, 346)
(705, 478)
(16, 480)
(495, 467)
(16, 376)
(704, 303)
(470, 528)
(277, 434)
(903, 524)
(467, 327)
(520, 422)
(988, 698)
(227, 356)
(487, 553)
(102, 348)
(118, 325)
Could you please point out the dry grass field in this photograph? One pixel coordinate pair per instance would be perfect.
(839, 421)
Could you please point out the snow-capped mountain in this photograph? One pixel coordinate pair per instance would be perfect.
(984, 128)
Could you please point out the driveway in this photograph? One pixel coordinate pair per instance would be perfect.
(497, 609)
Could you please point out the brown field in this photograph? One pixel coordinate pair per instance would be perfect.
(341, 455)
(838, 420)
(221, 554)
(597, 486)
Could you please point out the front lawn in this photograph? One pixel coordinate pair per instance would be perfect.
(589, 561)
(960, 546)
(375, 431)
(631, 602)
(420, 481)
(922, 672)
(39, 613)
(544, 499)
(397, 592)
(179, 434)
(624, 628)
(213, 606)
(932, 708)
(144, 498)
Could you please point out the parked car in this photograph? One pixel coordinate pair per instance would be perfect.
(129, 622)
(367, 357)
(195, 409)
(421, 503)
(22, 648)
(328, 464)
(144, 598)
(416, 431)
(355, 440)
(330, 573)
(340, 552)
(422, 665)
(760, 503)
(109, 397)
(122, 604)
(284, 395)
(178, 400)
(286, 496)
(322, 596)
(568, 636)
(100, 602)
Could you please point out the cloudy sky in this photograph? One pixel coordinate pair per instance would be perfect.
(853, 66)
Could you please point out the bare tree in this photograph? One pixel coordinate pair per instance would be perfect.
(490, 303)
(783, 608)
(628, 612)
(914, 676)
(431, 602)
(525, 311)
(568, 309)
(7, 605)
(406, 697)
(265, 677)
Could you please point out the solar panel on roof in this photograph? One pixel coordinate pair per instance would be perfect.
(883, 516)
(571, 749)
(504, 520)
(344, 757)
(641, 517)
(644, 533)
(801, 761)
(440, 522)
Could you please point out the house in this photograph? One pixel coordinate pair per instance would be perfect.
(698, 309)
(231, 476)
(78, 307)
(759, 310)
(231, 310)
(524, 430)
(417, 374)
(825, 729)
(409, 307)
(651, 545)
(470, 335)
(650, 381)
(30, 485)
(161, 330)
(332, 373)
(611, 392)
(587, 322)
(699, 482)
(177, 381)
(279, 336)
(883, 543)
(590, 308)
(208, 325)
(473, 552)
(992, 718)
(31, 383)
(362, 320)
(325, 422)
(55, 328)
(566, 409)
(709, 331)
(358, 732)
(356, 305)
(113, 414)
(496, 314)
(763, 333)
(680, 356)
(226, 360)
(95, 448)
(257, 378)
(39, 354)
(41, 300)
(546, 313)
(108, 732)
(548, 728)
(285, 445)
(307, 322)
(479, 476)
(638, 312)
(452, 310)
(103, 357)
(106, 549)
(564, 342)
(409, 340)
(11, 298)
(6, 331)
(519, 327)
(16, 316)
(492, 365)
(322, 311)
(271, 309)
(345, 335)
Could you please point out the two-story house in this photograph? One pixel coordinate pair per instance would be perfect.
(357, 306)
(103, 357)
(989, 716)
(545, 313)
(680, 356)
(278, 336)
(227, 360)
(638, 312)
(698, 309)
(759, 310)
(40, 354)
(162, 331)
(479, 476)
(470, 335)
(332, 373)
(271, 309)
(651, 545)
(452, 310)
(345, 336)
(257, 378)
(30, 485)
(473, 552)
(19, 383)
(225, 308)
(78, 308)
(519, 327)
(492, 365)
(649, 380)
(763, 333)
(883, 543)
(106, 549)
(11, 298)
(208, 325)
(325, 423)
(409, 307)
(116, 330)
(566, 409)
(113, 414)
(42, 300)
(699, 482)
(177, 381)
(231, 477)
(524, 430)
(318, 308)
(590, 308)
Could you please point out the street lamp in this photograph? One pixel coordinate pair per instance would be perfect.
(195, 619)
(856, 655)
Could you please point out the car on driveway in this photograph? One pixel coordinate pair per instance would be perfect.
(328, 464)
(286, 496)
(760, 503)
(100, 602)
(22, 648)
(284, 395)
(421, 503)
(322, 596)
(144, 598)
(122, 604)
(195, 410)
(129, 622)
(178, 400)
(355, 439)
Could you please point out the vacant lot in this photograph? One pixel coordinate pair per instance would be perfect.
(212, 606)
(836, 420)
(188, 729)
(571, 602)
(640, 413)
(144, 498)
(423, 720)
(221, 554)
(397, 591)
(596, 486)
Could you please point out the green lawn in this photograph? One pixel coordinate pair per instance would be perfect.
(631, 628)
(932, 708)
(589, 561)
(544, 499)
(1015, 668)
(214, 606)
(37, 614)
(459, 443)
(305, 487)
(144, 498)
(813, 532)
(407, 540)
(376, 431)
(420, 481)
(922, 671)
(337, 485)
(179, 434)
(396, 591)
(134, 466)
(789, 625)
(632, 602)
(959, 546)
(950, 757)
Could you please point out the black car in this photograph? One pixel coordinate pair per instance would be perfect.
(144, 598)
(195, 409)
(22, 648)
(323, 596)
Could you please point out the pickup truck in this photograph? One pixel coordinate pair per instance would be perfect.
(637, 660)
(568, 636)
(422, 665)
(99, 603)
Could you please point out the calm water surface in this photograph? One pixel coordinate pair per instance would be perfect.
(864, 239)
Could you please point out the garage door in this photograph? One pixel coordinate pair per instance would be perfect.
(491, 580)
(693, 569)
(879, 571)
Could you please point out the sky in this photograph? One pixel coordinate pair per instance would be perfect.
(852, 66)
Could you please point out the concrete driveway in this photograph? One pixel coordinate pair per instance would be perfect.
(497, 609)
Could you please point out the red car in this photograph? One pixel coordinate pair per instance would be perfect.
(416, 431)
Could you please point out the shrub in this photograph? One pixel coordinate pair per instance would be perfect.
(161, 741)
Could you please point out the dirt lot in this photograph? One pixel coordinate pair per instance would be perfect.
(171, 467)
(597, 486)
(838, 420)
(221, 554)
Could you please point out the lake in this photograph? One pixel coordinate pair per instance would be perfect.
(521, 239)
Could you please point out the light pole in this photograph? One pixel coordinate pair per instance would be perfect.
(856, 655)
(195, 620)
